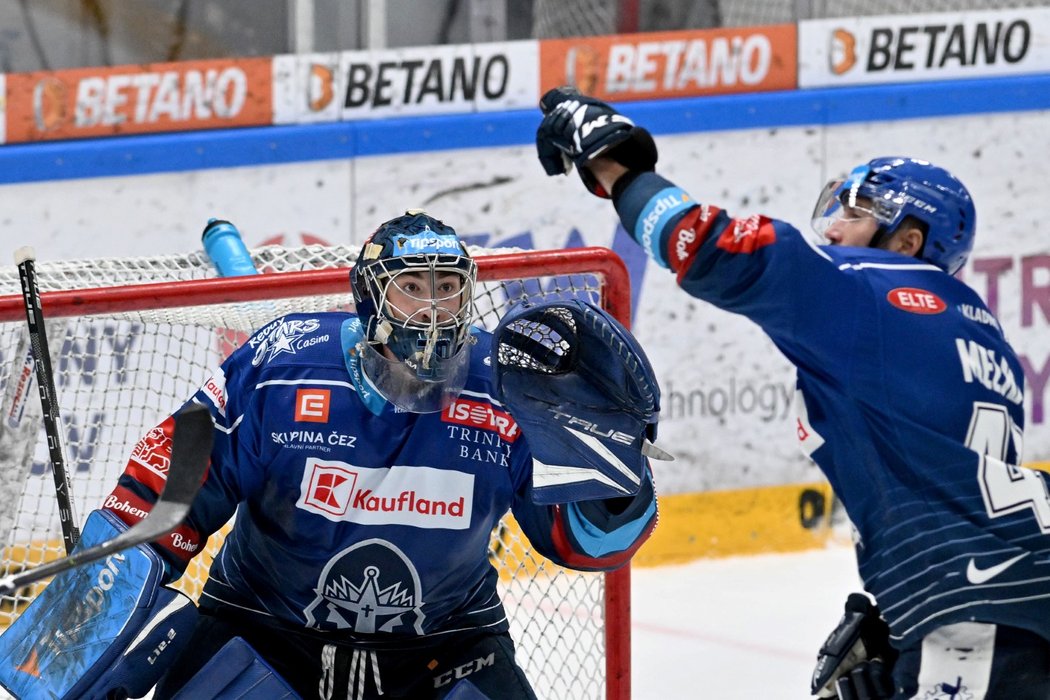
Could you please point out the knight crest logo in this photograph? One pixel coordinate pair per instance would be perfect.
(368, 588)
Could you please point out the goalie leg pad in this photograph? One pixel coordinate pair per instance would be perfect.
(162, 638)
(237, 672)
(465, 690)
(585, 395)
(106, 627)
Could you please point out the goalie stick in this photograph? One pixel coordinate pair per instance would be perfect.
(191, 449)
(25, 259)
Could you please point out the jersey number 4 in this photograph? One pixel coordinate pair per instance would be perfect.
(1006, 487)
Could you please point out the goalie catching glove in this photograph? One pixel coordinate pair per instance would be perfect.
(585, 395)
(576, 129)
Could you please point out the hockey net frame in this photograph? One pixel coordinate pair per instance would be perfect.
(559, 661)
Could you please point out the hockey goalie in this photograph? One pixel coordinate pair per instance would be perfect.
(349, 447)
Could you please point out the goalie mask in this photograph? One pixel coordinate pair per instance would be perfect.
(906, 187)
(413, 286)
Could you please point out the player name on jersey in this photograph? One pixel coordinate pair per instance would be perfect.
(984, 366)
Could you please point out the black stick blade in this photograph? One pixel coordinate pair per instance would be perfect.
(190, 453)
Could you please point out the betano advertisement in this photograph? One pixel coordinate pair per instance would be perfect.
(137, 99)
(908, 48)
(428, 80)
(355, 85)
(673, 64)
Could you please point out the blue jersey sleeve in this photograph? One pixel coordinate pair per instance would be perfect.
(227, 394)
(598, 535)
(759, 267)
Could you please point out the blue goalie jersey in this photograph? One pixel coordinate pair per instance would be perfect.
(910, 401)
(362, 523)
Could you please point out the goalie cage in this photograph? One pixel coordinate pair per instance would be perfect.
(132, 338)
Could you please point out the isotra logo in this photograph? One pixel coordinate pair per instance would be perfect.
(916, 301)
(476, 414)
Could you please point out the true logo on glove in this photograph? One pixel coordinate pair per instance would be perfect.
(591, 427)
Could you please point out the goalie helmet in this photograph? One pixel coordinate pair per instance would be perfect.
(413, 287)
(906, 187)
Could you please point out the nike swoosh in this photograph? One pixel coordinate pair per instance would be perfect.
(979, 576)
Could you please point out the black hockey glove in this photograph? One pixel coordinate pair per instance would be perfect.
(856, 660)
(577, 128)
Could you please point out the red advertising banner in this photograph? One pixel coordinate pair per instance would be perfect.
(149, 98)
(673, 64)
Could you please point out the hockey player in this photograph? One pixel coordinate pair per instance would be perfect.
(368, 457)
(910, 401)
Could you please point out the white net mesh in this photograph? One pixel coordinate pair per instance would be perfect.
(119, 374)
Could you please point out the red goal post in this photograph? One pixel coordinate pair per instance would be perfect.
(572, 629)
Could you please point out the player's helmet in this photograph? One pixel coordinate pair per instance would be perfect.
(902, 187)
(413, 287)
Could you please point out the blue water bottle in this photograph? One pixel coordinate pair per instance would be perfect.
(223, 244)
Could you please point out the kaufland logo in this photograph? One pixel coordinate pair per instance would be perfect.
(215, 389)
(415, 496)
(477, 414)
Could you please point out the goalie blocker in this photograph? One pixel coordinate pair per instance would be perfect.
(107, 629)
(110, 630)
(579, 384)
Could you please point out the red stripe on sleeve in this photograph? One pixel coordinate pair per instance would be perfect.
(184, 542)
(689, 234)
(127, 506)
(748, 235)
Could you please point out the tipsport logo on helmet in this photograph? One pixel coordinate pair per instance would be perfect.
(427, 242)
(415, 496)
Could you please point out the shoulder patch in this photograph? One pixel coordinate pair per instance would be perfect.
(916, 301)
(285, 335)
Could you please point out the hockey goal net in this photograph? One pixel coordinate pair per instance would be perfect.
(131, 339)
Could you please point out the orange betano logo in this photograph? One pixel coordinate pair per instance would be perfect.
(843, 53)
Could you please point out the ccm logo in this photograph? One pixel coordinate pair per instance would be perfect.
(916, 301)
(311, 405)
